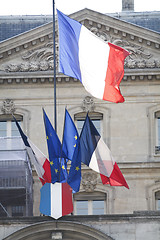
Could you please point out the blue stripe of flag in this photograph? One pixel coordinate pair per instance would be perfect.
(69, 32)
(89, 139)
(45, 201)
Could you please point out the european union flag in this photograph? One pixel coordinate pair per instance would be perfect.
(54, 150)
(70, 136)
(74, 177)
(71, 148)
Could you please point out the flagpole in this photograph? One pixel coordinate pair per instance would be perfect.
(54, 60)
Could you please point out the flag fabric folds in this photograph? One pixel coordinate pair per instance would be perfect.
(70, 136)
(56, 200)
(71, 148)
(74, 176)
(38, 159)
(96, 155)
(82, 55)
(56, 155)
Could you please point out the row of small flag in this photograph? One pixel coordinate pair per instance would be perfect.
(88, 148)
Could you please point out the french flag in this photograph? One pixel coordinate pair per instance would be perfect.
(96, 155)
(97, 64)
(56, 200)
(38, 159)
(43, 162)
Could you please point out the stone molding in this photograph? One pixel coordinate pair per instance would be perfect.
(47, 230)
(8, 106)
(89, 181)
(88, 104)
(150, 195)
(41, 59)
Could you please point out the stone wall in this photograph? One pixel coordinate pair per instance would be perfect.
(137, 226)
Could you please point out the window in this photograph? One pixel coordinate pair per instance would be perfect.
(157, 199)
(8, 126)
(157, 118)
(90, 203)
(94, 116)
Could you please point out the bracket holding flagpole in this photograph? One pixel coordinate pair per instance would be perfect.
(54, 58)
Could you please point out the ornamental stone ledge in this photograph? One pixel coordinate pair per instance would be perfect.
(47, 77)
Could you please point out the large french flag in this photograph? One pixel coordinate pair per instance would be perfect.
(56, 200)
(96, 155)
(97, 64)
(38, 159)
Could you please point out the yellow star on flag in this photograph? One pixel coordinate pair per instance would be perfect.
(75, 137)
(51, 163)
(56, 170)
(77, 168)
(47, 138)
(74, 145)
(63, 167)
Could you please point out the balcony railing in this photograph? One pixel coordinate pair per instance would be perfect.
(12, 182)
(15, 175)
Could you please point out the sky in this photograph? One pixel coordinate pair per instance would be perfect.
(45, 7)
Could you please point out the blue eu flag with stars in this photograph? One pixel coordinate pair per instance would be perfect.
(71, 148)
(58, 171)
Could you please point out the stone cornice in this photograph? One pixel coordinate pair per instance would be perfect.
(143, 166)
(139, 215)
(47, 77)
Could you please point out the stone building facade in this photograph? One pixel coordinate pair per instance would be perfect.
(130, 129)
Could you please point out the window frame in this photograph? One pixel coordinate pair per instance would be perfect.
(157, 132)
(93, 116)
(8, 118)
(152, 114)
(90, 197)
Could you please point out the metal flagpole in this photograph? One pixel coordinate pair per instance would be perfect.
(54, 60)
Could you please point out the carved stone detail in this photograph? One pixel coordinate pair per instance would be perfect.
(41, 59)
(8, 106)
(103, 35)
(139, 57)
(37, 60)
(89, 181)
(88, 104)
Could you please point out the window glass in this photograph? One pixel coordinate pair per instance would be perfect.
(157, 199)
(158, 131)
(96, 123)
(3, 129)
(90, 207)
(158, 204)
(96, 118)
(14, 129)
(98, 207)
(9, 129)
(82, 207)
